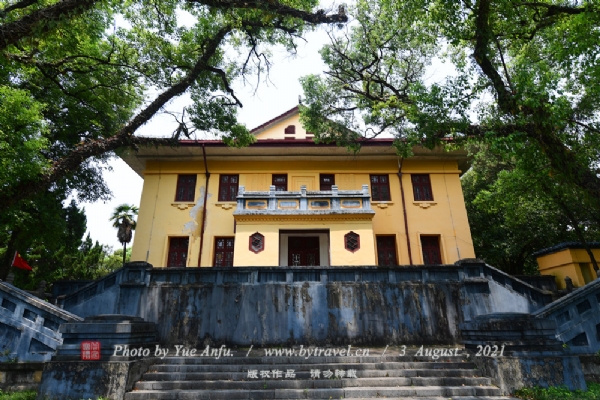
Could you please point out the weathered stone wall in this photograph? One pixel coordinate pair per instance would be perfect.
(81, 380)
(264, 306)
(513, 373)
(20, 376)
(591, 367)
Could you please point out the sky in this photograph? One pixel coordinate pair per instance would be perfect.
(272, 98)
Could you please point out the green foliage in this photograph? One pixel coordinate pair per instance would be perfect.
(513, 210)
(123, 219)
(22, 136)
(51, 239)
(77, 82)
(27, 395)
(77, 79)
(559, 393)
(520, 77)
(122, 213)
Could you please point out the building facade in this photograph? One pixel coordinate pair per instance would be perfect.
(287, 201)
(569, 260)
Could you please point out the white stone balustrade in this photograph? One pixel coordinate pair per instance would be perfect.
(333, 201)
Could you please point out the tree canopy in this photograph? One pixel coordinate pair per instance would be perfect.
(51, 239)
(514, 210)
(522, 76)
(78, 78)
(85, 80)
(520, 80)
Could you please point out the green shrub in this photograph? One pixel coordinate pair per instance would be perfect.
(29, 395)
(559, 393)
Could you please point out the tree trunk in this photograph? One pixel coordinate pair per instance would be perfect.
(578, 232)
(6, 263)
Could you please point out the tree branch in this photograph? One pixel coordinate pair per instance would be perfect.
(123, 137)
(483, 34)
(38, 21)
(228, 88)
(276, 7)
(553, 9)
(17, 6)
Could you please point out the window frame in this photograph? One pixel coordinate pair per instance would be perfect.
(380, 185)
(256, 242)
(228, 185)
(182, 188)
(421, 189)
(171, 249)
(225, 251)
(290, 130)
(274, 176)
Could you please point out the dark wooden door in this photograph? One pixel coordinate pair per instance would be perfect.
(303, 250)
(178, 249)
(224, 252)
(431, 250)
(326, 181)
(386, 250)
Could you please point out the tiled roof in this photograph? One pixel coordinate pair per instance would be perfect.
(276, 119)
(563, 246)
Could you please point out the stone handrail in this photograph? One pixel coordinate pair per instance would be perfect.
(577, 317)
(31, 325)
(539, 297)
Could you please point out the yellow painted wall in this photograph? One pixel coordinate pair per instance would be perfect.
(568, 262)
(277, 130)
(161, 217)
(270, 228)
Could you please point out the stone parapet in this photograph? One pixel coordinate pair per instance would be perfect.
(110, 331)
(518, 350)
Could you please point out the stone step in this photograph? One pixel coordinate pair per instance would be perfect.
(302, 360)
(309, 384)
(206, 367)
(445, 392)
(172, 373)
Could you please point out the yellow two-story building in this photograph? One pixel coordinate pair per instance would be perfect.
(287, 201)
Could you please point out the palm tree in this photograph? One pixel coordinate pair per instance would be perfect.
(123, 219)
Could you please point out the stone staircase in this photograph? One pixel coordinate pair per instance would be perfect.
(390, 377)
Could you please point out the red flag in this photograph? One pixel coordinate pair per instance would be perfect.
(20, 263)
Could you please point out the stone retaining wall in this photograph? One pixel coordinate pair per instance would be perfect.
(316, 305)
